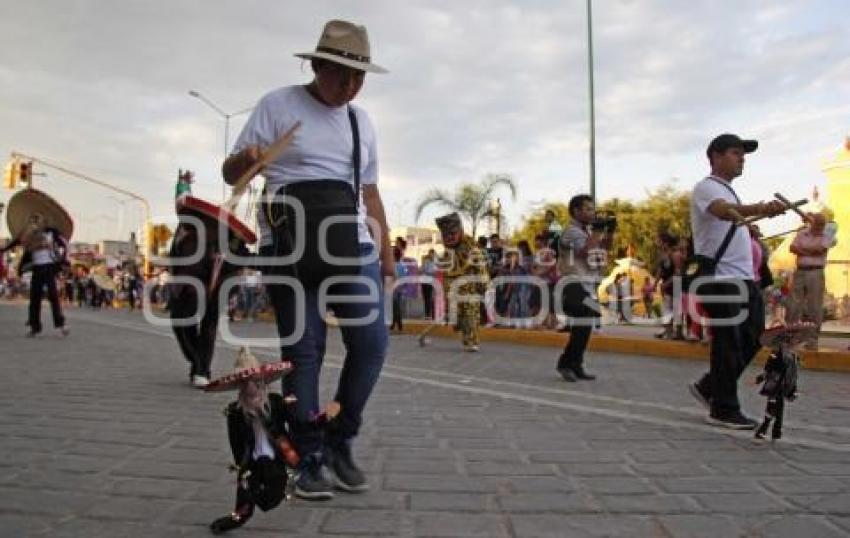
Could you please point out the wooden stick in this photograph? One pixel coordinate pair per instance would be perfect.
(266, 156)
(780, 234)
(792, 206)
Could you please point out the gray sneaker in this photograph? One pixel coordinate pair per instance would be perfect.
(348, 476)
(312, 484)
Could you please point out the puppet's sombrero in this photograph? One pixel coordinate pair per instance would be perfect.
(793, 333)
(249, 368)
(213, 215)
(26, 203)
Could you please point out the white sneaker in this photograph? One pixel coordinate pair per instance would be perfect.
(64, 330)
(199, 381)
(471, 349)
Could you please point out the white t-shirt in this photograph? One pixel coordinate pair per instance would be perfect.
(321, 149)
(44, 255)
(709, 231)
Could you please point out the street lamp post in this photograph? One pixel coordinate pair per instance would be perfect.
(226, 115)
(121, 213)
(591, 99)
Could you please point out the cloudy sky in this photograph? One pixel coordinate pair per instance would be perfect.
(476, 86)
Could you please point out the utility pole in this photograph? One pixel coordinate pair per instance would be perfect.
(591, 101)
(226, 115)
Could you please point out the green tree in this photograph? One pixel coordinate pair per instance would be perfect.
(536, 222)
(666, 209)
(470, 200)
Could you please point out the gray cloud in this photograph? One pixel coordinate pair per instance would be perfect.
(475, 86)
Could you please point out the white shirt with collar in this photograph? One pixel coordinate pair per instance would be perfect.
(709, 231)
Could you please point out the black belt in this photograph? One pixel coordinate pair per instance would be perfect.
(810, 268)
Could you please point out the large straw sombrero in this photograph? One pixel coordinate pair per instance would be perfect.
(28, 202)
(247, 367)
(213, 215)
(103, 282)
(793, 333)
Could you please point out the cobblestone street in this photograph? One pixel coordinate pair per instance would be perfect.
(104, 437)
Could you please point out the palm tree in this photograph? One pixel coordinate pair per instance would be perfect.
(470, 200)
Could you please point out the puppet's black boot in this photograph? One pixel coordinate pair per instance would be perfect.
(243, 512)
(762, 430)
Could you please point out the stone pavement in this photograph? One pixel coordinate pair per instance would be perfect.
(103, 437)
(640, 343)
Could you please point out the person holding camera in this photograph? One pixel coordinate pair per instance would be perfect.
(583, 250)
(736, 320)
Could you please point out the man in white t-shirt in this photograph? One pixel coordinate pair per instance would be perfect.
(322, 151)
(714, 209)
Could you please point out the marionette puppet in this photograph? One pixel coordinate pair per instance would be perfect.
(264, 458)
(779, 378)
(256, 429)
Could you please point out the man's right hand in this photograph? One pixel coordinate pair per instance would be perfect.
(251, 155)
(239, 163)
(772, 208)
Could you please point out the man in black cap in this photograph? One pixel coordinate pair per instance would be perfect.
(737, 325)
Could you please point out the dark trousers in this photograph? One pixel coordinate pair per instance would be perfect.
(584, 313)
(44, 275)
(732, 346)
(131, 293)
(197, 342)
(428, 300)
(396, 311)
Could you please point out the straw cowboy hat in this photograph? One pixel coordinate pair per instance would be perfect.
(28, 203)
(247, 368)
(344, 43)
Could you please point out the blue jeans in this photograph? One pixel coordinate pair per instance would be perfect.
(365, 347)
(249, 301)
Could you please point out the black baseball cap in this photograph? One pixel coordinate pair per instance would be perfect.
(728, 141)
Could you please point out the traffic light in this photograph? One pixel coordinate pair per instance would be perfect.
(11, 174)
(25, 173)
